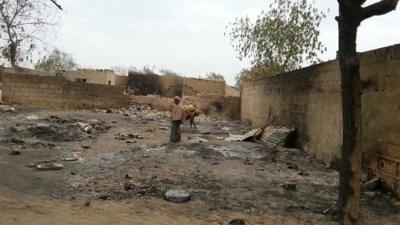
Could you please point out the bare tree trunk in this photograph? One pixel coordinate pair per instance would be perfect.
(352, 13)
(350, 171)
(13, 54)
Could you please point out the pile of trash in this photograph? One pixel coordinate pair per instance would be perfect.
(6, 108)
(136, 110)
(139, 107)
(124, 137)
(93, 125)
(272, 136)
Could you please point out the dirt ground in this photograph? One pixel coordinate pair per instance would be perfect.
(124, 165)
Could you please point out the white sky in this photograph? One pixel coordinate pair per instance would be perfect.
(186, 36)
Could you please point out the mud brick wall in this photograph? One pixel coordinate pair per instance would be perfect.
(31, 90)
(170, 86)
(220, 107)
(204, 87)
(104, 77)
(310, 99)
(25, 71)
(57, 92)
(381, 110)
(232, 91)
(81, 96)
(121, 81)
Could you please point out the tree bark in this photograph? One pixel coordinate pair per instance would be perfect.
(13, 54)
(350, 171)
(351, 15)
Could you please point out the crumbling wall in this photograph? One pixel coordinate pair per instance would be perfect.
(217, 106)
(121, 81)
(310, 99)
(204, 87)
(82, 96)
(169, 86)
(57, 92)
(381, 110)
(231, 91)
(25, 71)
(104, 77)
(144, 84)
(220, 107)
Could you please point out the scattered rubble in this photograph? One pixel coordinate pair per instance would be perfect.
(217, 173)
(234, 138)
(87, 203)
(42, 144)
(292, 166)
(198, 140)
(129, 186)
(237, 222)
(6, 108)
(85, 127)
(370, 194)
(290, 186)
(177, 196)
(226, 128)
(105, 197)
(15, 152)
(248, 161)
(70, 158)
(32, 117)
(204, 131)
(137, 110)
(124, 137)
(49, 166)
(85, 146)
(249, 136)
(15, 141)
(272, 137)
(373, 184)
(302, 173)
(140, 107)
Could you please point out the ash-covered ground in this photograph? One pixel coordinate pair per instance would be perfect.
(117, 165)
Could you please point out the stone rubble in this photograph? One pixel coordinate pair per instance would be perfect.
(49, 166)
(177, 196)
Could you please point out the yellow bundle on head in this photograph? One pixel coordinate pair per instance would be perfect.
(189, 108)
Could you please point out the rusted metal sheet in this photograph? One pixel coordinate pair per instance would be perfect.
(275, 136)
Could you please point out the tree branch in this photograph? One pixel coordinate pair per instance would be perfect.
(56, 4)
(379, 8)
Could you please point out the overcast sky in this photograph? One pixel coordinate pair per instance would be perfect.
(186, 36)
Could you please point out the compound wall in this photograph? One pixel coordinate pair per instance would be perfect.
(310, 100)
(170, 86)
(57, 92)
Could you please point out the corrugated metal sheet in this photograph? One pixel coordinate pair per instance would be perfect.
(275, 136)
